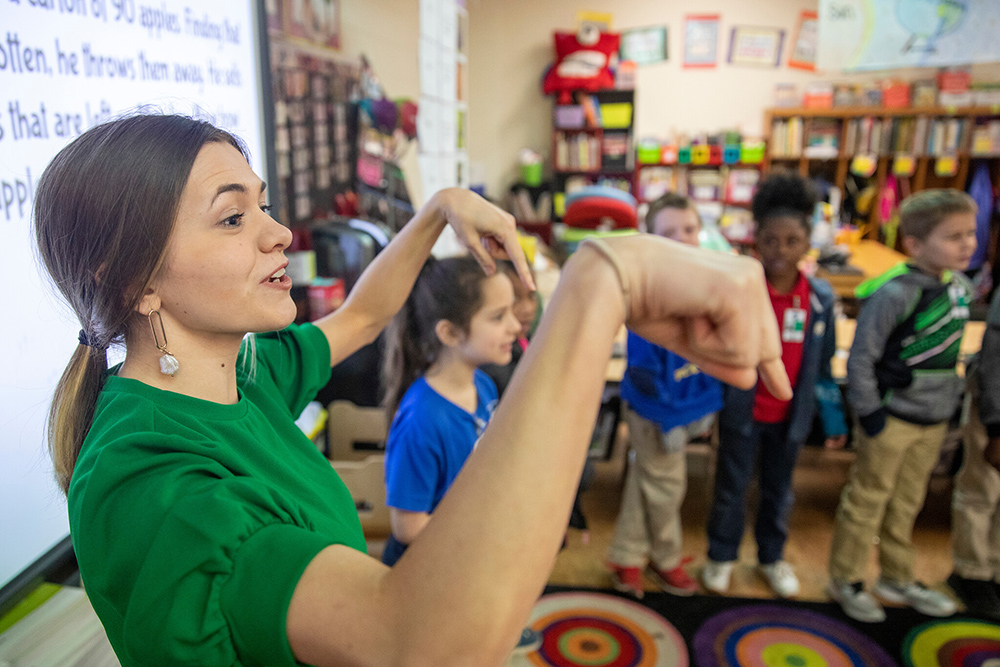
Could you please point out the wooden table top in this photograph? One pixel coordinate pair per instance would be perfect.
(871, 257)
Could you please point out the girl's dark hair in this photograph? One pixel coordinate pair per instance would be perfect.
(446, 289)
(104, 209)
(784, 193)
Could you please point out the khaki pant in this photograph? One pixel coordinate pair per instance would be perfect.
(884, 494)
(649, 522)
(975, 507)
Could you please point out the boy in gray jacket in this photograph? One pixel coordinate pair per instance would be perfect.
(902, 384)
(975, 505)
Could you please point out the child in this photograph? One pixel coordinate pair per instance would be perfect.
(754, 425)
(903, 386)
(528, 310)
(975, 514)
(455, 320)
(669, 402)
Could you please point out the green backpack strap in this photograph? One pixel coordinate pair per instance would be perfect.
(872, 285)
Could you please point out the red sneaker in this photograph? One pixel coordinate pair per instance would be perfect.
(627, 580)
(676, 581)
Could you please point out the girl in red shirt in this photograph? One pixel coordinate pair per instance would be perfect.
(755, 427)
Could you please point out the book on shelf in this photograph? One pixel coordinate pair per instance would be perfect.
(786, 137)
(741, 184)
(823, 140)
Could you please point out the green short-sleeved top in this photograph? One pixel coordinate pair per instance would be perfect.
(192, 521)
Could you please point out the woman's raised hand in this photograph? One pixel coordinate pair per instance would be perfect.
(487, 231)
(709, 307)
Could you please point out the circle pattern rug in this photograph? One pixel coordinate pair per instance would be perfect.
(596, 630)
(773, 636)
(953, 643)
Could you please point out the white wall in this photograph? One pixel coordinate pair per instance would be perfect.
(511, 44)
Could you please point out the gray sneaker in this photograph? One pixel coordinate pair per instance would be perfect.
(856, 602)
(917, 596)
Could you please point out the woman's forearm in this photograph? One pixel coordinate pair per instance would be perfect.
(383, 287)
(489, 550)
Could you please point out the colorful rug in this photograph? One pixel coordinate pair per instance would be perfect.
(600, 628)
(956, 642)
(763, 635)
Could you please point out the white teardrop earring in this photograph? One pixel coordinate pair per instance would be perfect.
(168, 362)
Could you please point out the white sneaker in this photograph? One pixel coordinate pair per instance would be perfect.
(917, 596)
(781, 578)
(856, 602)
(716, 576)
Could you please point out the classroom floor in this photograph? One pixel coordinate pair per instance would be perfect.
(819, 478)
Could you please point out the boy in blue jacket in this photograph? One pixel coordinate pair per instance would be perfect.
(669, 401)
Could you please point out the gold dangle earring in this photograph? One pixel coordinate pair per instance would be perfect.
(168, 362)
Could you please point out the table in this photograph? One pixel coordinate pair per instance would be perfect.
(871, 257)
(972, 340)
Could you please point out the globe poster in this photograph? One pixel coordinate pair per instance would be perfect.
(886, 34)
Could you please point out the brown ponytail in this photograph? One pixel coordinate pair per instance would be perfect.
(104, 209)
(447, 289)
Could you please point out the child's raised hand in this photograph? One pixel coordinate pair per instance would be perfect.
(709, 307)
(487, 231)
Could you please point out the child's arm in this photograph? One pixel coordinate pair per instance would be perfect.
(831, 408)
(485, 230)
(876, 321)
(461, 593)
(989, 376)
(407, 525)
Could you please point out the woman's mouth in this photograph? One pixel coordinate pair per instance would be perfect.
(279, 278)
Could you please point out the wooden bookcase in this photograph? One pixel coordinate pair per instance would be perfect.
(584, 151)
(802, 139)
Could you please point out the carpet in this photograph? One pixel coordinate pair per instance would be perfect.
(600, 628)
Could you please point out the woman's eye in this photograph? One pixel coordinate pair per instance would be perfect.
(233, 221)
(266, 208)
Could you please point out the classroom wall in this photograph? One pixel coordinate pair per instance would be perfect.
(510, 45)
(387, 32)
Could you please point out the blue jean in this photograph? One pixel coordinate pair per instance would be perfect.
(737, 460)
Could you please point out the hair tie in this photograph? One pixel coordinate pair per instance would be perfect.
(82, 338)
(605, 251)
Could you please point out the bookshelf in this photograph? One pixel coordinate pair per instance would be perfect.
(592, 143)
(720, 178)
(930, 147)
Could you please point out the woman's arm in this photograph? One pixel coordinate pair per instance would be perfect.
(380, 292)
(463, 590)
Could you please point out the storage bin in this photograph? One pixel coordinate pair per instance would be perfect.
(616, 115)
(569, 116)
(648, 153)
(731, 154)
(752, 152)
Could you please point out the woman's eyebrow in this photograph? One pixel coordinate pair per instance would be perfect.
(234, 187)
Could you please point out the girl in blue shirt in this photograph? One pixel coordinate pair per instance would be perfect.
(455, 320)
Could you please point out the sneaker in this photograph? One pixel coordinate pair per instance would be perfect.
(980, 597)
(627, 580)
(917, 596)
(856, 602)
(530, 641)
(676, 580)
(781, 578)
(716, 575)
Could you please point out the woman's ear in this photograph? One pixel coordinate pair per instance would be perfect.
(150, 301)
(448, 333)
